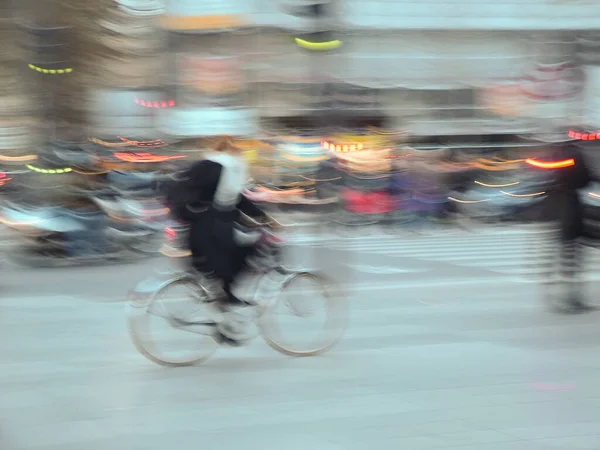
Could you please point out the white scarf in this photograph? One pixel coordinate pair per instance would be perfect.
(231, 182)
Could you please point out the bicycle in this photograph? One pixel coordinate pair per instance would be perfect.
(272, 280)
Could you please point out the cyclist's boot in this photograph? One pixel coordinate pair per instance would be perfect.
(231, 301)
(237, 323)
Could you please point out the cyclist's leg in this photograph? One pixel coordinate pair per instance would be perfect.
(234, 275)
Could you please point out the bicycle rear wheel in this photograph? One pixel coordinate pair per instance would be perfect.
(176, 317)
(305, 295)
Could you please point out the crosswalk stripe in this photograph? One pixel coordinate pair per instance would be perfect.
(517, 253)
(380, 236)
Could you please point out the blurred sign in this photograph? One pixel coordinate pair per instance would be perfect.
(556, 82)
(216, 75)
(205, 14)
(215, 22)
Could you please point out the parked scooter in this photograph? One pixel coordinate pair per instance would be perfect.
(55, 235)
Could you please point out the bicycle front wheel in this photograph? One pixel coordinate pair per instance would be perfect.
(304, 297)
(174, 327)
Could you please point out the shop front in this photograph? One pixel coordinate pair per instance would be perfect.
(441, 85)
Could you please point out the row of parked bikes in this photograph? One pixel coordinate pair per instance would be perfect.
(124, 218)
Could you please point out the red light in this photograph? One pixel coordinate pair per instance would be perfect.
(590, 136)
(154, 103)
(170, 234)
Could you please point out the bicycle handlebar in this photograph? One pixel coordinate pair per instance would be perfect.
(271, 222)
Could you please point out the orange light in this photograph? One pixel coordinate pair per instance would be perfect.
(144, 157)
(25, 158)
(154, 143)
(108, 144)
(342, 148)
(551, 165)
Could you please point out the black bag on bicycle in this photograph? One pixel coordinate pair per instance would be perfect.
(177, 197)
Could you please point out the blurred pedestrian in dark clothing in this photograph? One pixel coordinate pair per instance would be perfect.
(566, 208)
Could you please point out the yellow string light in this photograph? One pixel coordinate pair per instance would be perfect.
(49, 171)
(50, 71)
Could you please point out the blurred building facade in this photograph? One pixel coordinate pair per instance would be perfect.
(430, 68)
(18, 116)
(442, 72)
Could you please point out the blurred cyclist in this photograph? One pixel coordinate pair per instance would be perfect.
(210, 198)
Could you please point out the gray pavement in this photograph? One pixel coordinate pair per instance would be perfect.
(445, 350)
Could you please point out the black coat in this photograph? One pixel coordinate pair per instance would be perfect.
(211, 229)
(563, 203)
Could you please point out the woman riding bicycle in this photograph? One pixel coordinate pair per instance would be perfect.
(212, 202)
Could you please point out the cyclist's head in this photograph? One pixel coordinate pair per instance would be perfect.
(224, 144)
